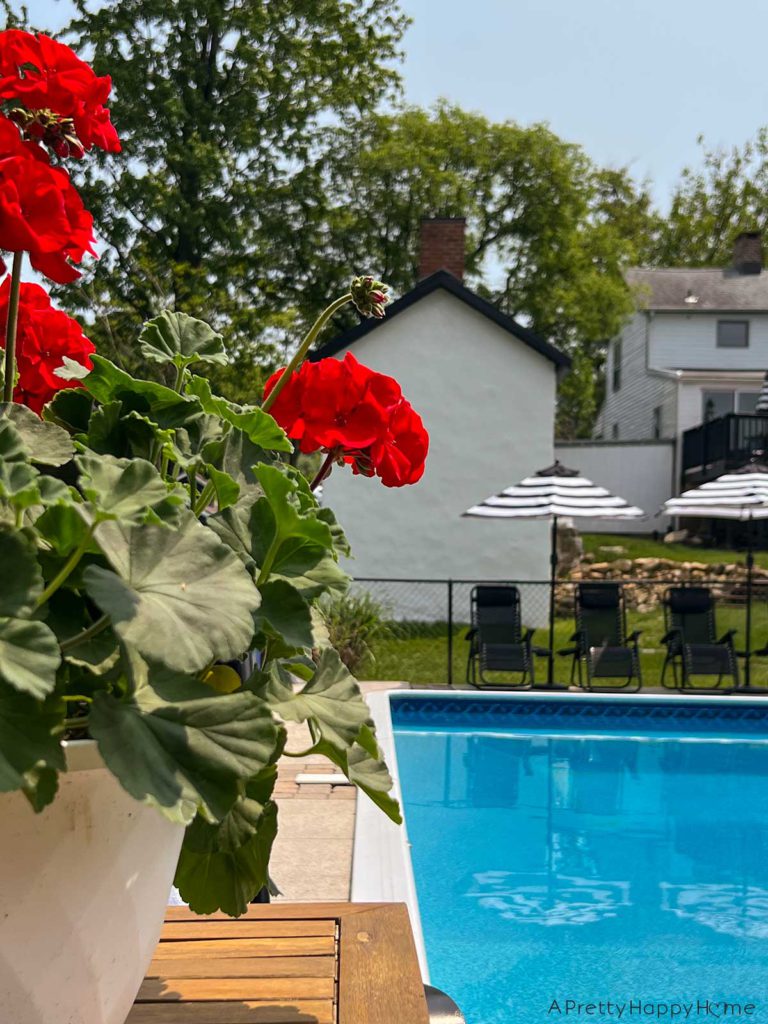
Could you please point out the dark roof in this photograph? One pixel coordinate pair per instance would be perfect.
(442, 279)
(721, 290)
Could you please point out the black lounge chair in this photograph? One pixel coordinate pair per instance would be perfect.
(602, 648)
(497, 642)
(691, 639)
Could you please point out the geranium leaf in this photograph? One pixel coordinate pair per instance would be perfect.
(26, 738)
(222, 867)
(122, 489)
(284, 613)
(180, 746)
(180, 597)
(43, 442)
(179, 339)
(227, 490)
(366, 771)
(331, 700)
(64, 527)
(29, 656)
(162, 405)
(71, 408)
(18, 479)
(258, 426)
(40, 787)
(22, 577)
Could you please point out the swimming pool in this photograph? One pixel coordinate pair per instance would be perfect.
(610, 852)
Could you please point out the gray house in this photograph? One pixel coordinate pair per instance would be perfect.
(684, 374)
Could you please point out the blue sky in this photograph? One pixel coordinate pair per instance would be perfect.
(634, 81)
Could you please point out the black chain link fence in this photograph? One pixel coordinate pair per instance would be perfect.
(422, 636)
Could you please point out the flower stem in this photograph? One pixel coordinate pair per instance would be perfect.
(10, 328)
(302, 350)
(66, 569)
(269, 558)
(86, 634)
(202, 502)
(324, 470)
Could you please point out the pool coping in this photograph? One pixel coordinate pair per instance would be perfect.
(381, 857)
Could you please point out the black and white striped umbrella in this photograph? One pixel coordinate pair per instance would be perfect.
(742, 494)
(762, 402)
(553, 493)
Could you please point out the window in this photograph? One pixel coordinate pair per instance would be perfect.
(616, 364)
(656, 423)
(746, 401)
(732, 333)
(615, 431)
(716, 403)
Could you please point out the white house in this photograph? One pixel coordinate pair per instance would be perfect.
(695, 351)
(485, 388)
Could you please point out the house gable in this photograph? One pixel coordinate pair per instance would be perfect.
(444, 281)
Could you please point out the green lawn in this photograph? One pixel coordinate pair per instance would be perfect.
(646, 547)
(419, 655)
(423, 659)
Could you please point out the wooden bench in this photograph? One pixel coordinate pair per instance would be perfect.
(308, 963)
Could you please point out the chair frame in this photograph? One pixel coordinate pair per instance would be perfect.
(679, 656)
(584, 653)
(476, 657)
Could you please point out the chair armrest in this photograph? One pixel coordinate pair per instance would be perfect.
(528, 636)
(471, 634)
(634, 637)
(761, 652)
(566, 651)
(727, 638)
(673, 634)
(541, 652)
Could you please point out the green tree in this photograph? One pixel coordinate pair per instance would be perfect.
(223, 108)
(548, 231)
(728, 194)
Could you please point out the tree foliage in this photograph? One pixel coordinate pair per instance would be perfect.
(222, 107)
(548, 231)
(712, 204)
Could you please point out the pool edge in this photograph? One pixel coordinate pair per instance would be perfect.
(381, 855)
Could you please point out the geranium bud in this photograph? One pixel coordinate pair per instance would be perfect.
(369, 296)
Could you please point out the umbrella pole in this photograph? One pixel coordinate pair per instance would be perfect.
(552, 585)
(750, 566)
(550, 683)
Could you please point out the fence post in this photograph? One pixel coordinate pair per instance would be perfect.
(450, 632)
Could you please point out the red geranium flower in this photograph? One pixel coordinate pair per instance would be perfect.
(40, 211)
(359, 416)
(47, 76)
(44, 336)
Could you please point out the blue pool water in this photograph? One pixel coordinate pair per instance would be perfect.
(609, 854)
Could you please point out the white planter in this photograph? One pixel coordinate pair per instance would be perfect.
(83, 890)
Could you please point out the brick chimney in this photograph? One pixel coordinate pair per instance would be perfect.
(442, 246)
(748, 252)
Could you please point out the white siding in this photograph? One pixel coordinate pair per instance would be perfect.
(688, 342)
(631, 407)
(642, 473)
(488, 401)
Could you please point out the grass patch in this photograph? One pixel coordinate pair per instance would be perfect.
(423, 659)
(645, 547)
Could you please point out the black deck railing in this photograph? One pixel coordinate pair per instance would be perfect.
(722, 444)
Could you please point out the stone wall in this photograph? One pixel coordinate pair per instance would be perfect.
(646, 579)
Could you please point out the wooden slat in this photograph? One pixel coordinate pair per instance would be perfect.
(241, 929)
(246, 967)
(300, 946)
(379, 978)
(221, 989)
(270, 912)
(309, 1012)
